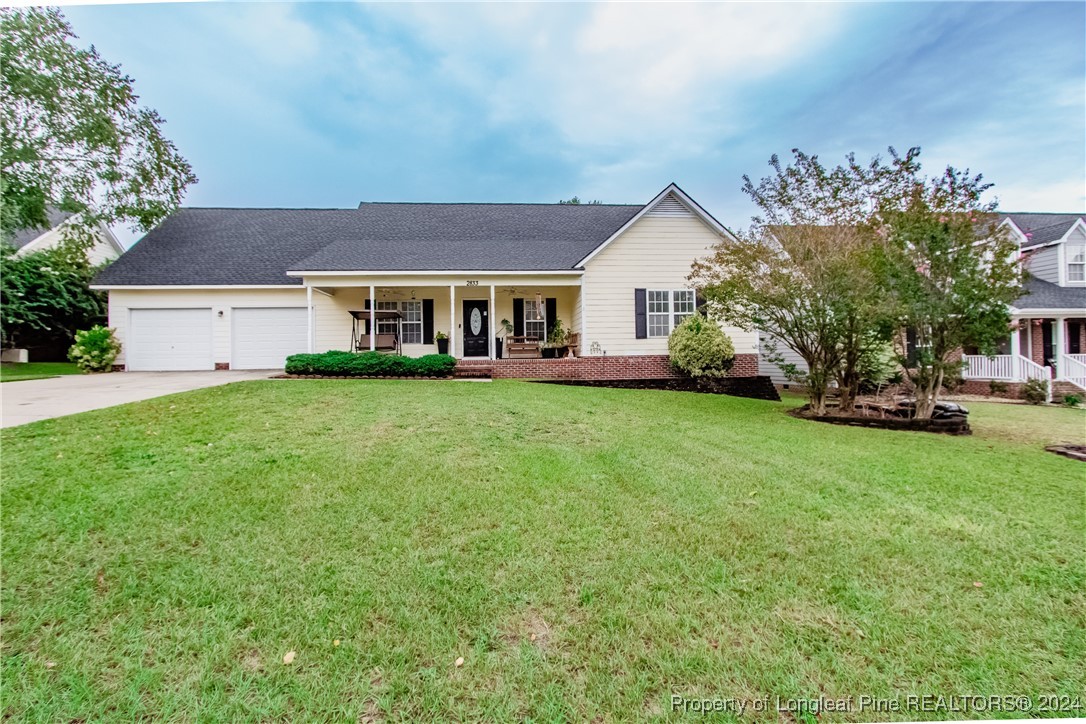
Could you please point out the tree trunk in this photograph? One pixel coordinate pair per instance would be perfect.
(927, 395)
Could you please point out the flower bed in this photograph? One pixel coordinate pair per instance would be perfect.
(887, 419)
(369, 364)
(759, 388)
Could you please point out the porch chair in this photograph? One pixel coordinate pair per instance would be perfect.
(573, 341)
(522, 347)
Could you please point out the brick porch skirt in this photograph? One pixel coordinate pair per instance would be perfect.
(633, 367)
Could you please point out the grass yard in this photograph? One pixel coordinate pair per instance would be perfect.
(587, 552)
(15, 372)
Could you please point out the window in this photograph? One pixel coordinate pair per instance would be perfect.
(535, 319)
(1076, 263)
(667, 308)
(411, 312)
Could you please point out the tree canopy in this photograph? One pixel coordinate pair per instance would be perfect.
(74, 135)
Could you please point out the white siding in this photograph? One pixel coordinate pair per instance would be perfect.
(655, 253)
(1045, 264)
(219, 300)
(765, 367)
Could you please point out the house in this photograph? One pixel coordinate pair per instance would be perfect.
(27, 241)
(216, 288)
(1048, 340)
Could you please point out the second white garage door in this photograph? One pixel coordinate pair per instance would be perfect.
(263, 337)
(169, 340)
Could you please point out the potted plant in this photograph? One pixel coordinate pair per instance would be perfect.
(442, 340)
(506, 327)
(556, 345)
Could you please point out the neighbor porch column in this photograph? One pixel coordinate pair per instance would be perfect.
(309, 315)
(452, 320)
(373, 318)
(1060, 344)
(1016, 353)
(493, 342)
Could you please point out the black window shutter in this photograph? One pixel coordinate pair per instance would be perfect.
(641, 320)
(427, 321)
(699, 301)
(367, 308)
(518, 317)
(910, 347)
(552, 314)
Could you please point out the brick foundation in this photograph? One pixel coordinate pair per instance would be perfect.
(633, 367)
(222, 365)
(983, 388)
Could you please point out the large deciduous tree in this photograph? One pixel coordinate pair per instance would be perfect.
(74, 135)
(950, 274)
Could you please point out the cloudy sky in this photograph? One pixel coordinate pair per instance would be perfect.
(328, 104)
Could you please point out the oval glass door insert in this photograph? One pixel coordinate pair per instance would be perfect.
(476, 321)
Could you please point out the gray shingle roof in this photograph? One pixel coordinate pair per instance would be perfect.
(55, 216)
(1042, 228)
(258, 246)
(1046, 295)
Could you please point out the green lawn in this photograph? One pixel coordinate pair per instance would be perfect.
(13, 372)
(588, 552)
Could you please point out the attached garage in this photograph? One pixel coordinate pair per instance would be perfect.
(263, 337)
(169, 340)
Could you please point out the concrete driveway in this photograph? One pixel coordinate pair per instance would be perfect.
(33, 400)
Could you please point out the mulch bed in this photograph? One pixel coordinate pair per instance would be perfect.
(881, 418)
(758, 388)
(1075, 452)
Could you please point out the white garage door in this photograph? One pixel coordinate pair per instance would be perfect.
(169, 339)
(264, 337)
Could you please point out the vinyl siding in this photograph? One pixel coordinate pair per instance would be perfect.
(1045, 264)
(765, 367)
(655, 253)
(224, 300)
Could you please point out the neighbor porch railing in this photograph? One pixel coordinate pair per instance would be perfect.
(1003, 367)
(1072, 367)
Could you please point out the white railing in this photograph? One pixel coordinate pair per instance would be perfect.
(979, 367)
(1006, 367)
(1072, 368)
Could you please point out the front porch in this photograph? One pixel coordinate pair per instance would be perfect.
(470, 318)
(1045, 348)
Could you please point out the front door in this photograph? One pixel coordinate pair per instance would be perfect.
(1047, 344)
(476, 324)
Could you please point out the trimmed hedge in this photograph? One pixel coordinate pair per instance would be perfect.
(370, 364)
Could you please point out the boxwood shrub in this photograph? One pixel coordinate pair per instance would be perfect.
(370, 364)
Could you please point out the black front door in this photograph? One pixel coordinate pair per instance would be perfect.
(476, 324)
(1046, 342)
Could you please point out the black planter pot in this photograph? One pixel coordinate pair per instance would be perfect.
(498, 347)
(442, 346)
(549, 352)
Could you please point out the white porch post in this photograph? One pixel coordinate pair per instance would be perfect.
(452, 320)
(1015, 353)
(584, 321)
(1061, 346)
(490, 316)
(373, 318)
(309, 316)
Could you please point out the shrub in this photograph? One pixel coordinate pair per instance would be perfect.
(95, 349)
(700, 348)
(370, 364)
(1071, 401)
(996, 387)
(1035, 392)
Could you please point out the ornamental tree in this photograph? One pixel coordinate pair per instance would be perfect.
(72, 135)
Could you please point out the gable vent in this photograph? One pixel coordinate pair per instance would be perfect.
(669, 206)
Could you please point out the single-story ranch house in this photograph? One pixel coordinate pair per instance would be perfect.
(217, 288)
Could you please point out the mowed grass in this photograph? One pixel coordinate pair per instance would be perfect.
(587, 552)
(15, 372)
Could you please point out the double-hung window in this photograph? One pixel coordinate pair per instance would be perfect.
(667, 308)
(535, 319)
(411, 315)
(1076, 263)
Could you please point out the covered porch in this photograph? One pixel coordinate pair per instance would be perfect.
(1049, 346)
(473, 316)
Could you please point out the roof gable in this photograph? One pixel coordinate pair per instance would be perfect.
(1041, 228)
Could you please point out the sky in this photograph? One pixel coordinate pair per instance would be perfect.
(330, 104)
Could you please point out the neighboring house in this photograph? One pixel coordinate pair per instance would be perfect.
(26, 241)
(1049, 339)
(244, 288)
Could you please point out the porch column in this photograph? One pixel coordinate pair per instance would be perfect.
(309, 316)
(1015, 353)
(373, 318)
(452, 320)
(584, 321)
(1060, 344)
(493, 342)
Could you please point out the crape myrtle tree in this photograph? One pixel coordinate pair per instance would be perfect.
(805, 271)
(950, 275)
(73, 136)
